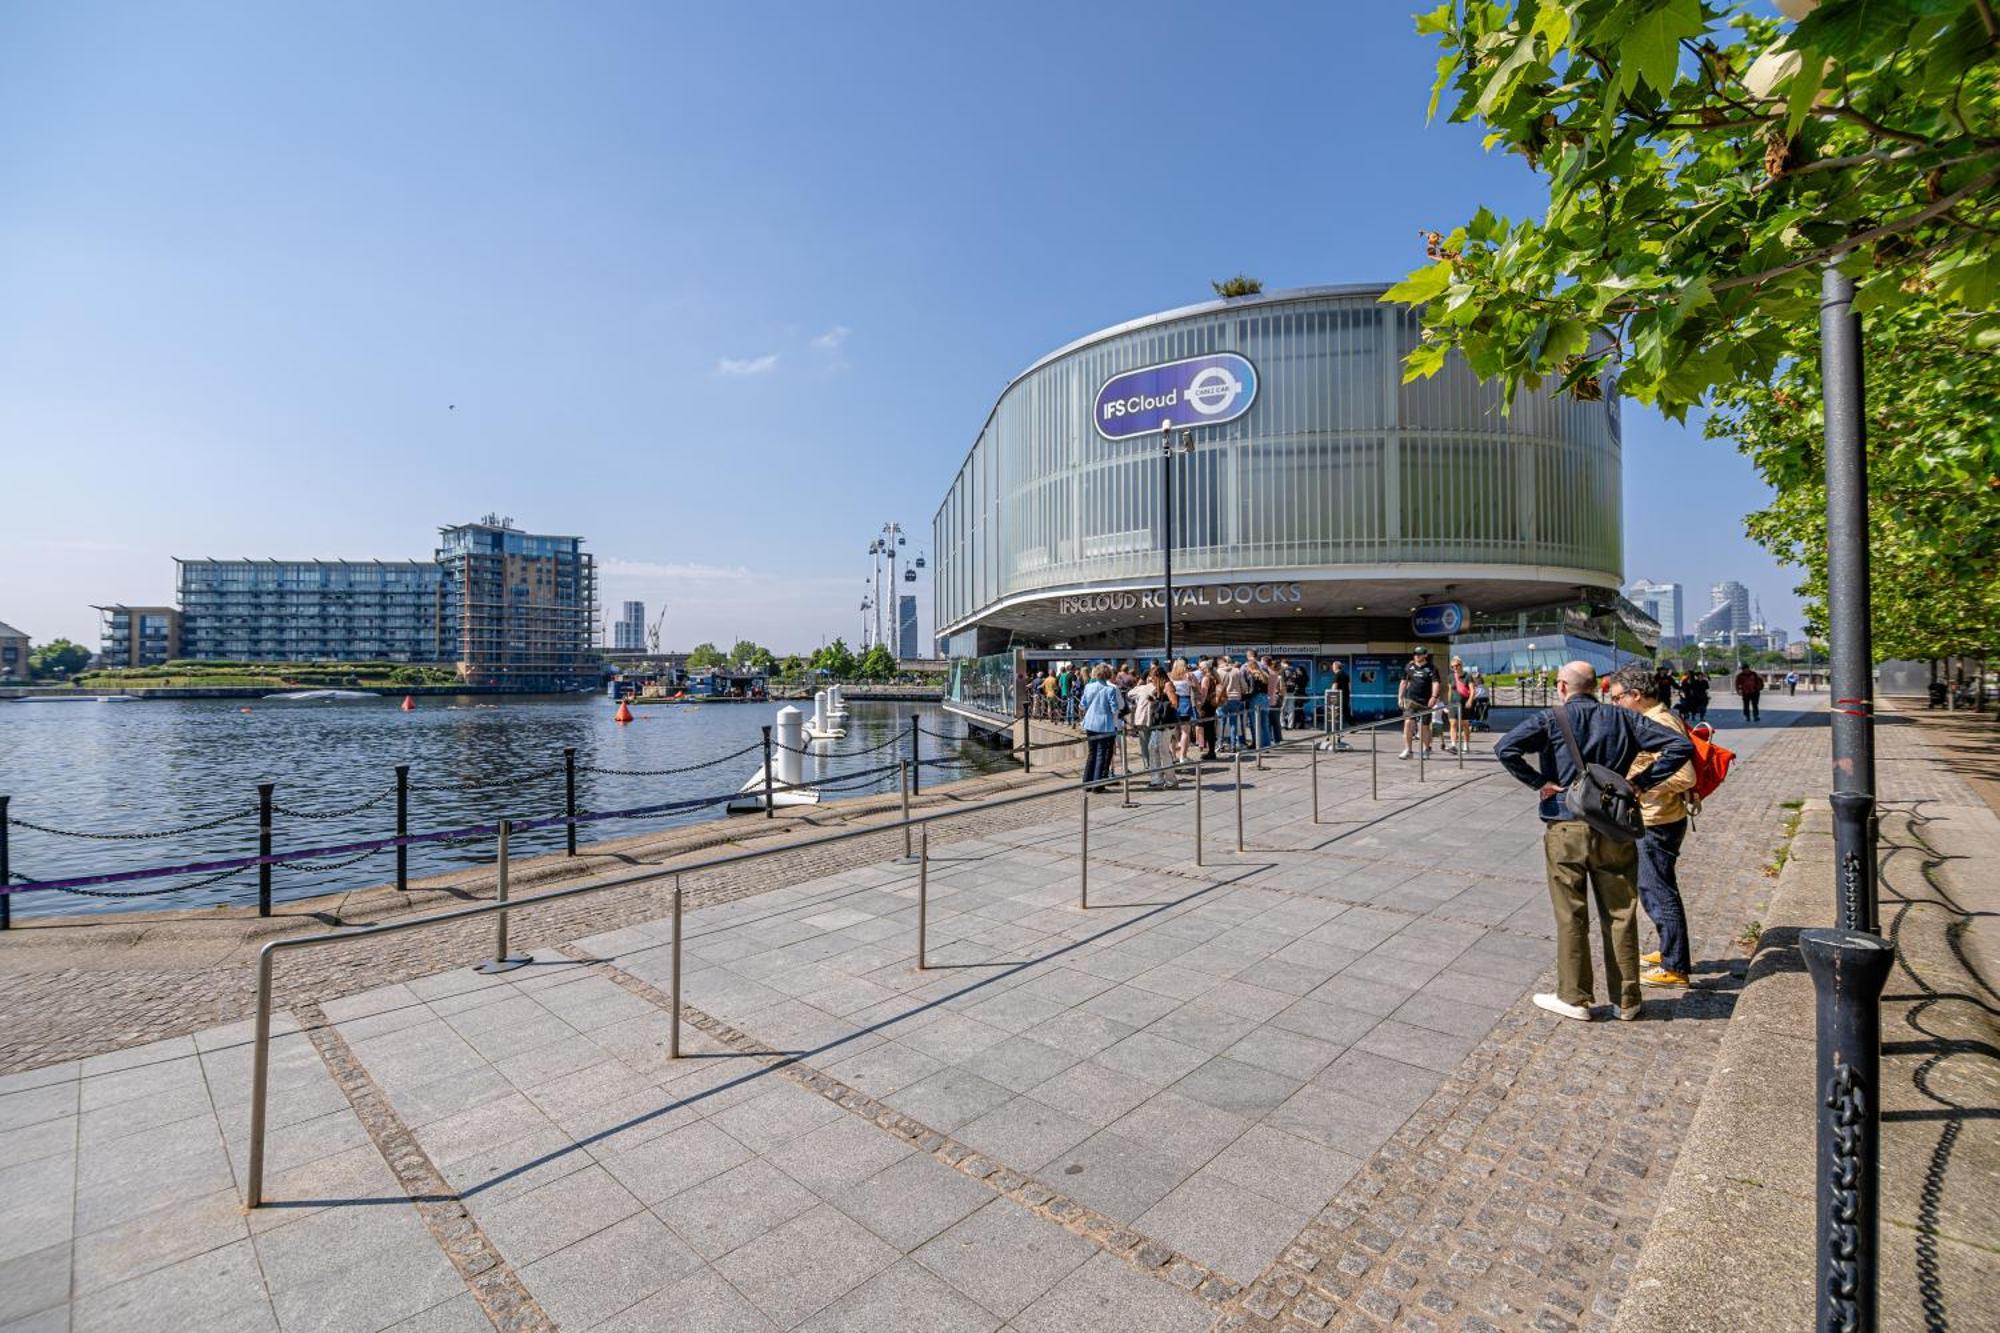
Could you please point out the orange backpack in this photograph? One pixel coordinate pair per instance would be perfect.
(1711, 761)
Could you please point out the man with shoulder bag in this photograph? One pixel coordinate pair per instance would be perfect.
(1592, 825)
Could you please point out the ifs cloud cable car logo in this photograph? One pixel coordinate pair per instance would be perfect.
(1199, 391)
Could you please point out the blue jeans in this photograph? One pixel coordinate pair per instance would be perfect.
(1660, 891)
(1232, 722)
(1097, 762)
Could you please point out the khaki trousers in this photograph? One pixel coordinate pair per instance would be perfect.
(1580, 860)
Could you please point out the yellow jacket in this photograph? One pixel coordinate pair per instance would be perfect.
(1667, 802)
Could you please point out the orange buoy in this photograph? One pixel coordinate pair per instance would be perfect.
(624, 713)
(409, 704)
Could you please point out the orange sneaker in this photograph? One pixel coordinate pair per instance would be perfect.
(1650, 959)
(1659, 976)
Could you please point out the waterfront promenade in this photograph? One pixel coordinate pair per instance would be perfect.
(1299, 1087)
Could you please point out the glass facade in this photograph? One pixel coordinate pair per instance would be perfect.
(1338, 469)
(311, 610)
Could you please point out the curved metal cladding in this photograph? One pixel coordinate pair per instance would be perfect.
(1339, 473)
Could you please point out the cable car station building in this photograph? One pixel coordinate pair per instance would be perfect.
(1322, 503)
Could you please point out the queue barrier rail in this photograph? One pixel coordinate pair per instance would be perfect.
(906, 823)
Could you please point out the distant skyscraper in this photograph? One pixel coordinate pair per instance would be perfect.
(906, 626)
(628, 633)
(1661, 601)
(1728, 615)
(1736, 597)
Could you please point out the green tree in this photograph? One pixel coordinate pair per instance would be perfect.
(1240, 285)
(57, 659)
(1703, 163)
(878, 663)
(704, 656)
(1934, 505)
(744, 653)
(836, 659)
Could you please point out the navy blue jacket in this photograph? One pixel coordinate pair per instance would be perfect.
(1608, 735)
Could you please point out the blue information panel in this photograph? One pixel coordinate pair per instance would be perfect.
(1200, 391)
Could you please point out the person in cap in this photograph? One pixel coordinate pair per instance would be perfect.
(1418, 694)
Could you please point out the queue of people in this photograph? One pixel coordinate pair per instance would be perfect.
(1210, 707)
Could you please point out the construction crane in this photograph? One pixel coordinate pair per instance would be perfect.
(653, 632)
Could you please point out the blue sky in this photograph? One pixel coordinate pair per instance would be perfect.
(720, 288)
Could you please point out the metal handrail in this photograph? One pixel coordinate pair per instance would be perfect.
(266, 957)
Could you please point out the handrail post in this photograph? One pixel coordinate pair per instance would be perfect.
(1460, 734)
(1848, 968)
(1260, 719)
(1239, 798)
(260, 1079)
(923, 892)
(569, 800)
(1125, 767)
(770, 805)
(1083, 847)
(903, 787)
(1197, 811)
(402, 828)
(674, 1030)
(1315, 783)
(1374, 773)
(1423, 752)
(264, 790)
(502, 961)
(6, 871)
(916, 760)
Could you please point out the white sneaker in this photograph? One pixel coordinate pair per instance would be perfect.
(1404, 755)
(1555, 1004)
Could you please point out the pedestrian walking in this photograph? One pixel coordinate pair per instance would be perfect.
(1791, 682)
(1583, 862)
(1101, 704)
(1418, 694)
(1750, 689)
(1275, 698)
(1665, 809)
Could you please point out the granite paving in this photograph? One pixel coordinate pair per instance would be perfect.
(1129, 1115)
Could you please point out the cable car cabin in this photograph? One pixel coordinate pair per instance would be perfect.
(727, 687)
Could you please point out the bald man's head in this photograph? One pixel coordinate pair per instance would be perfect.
(1581, 677)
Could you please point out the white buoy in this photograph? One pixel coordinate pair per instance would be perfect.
(836, 704)
(787, 770)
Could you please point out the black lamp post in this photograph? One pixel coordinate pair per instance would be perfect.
(1168, 447)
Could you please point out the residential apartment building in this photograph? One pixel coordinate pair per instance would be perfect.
(508, 607)
(628, 632)
(138, 636)
(518, 607)
(13, 653)
(311, 610)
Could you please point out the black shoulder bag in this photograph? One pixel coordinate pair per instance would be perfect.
(1600, 797)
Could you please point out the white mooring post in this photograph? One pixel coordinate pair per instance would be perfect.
(788, 761)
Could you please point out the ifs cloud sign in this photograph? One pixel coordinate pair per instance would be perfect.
(1200, 391)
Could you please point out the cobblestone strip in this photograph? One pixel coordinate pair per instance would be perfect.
(1147, 1255)
(489, 1277)
(1519, 1195)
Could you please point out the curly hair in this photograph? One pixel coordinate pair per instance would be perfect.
(1639, 678)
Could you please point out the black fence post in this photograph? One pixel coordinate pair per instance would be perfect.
(6, 871)
(569, 800)
(916, 765)
(264, 790)
(1854, 834)
(1848, 969)
(770, 806)
(402, 827)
